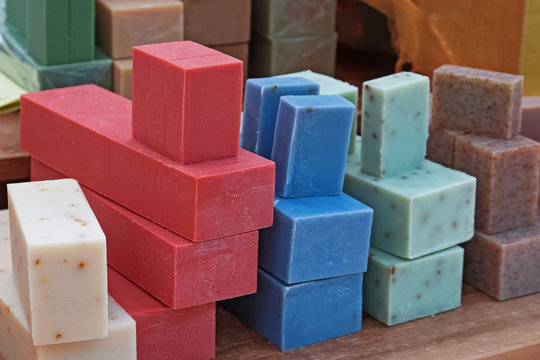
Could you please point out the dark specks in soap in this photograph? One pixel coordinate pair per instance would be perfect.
(309, 110)
(374, 136)
(393, 270)
(387, 235)
(366, 114)
(418, 114)
(454, 225)
(441, 198)
(311, 91)
(377, 281)
(367, 87)
(371, 97)
(275, 87)
(418, 296)
(425, 218)
(404, 177)
(426, 283)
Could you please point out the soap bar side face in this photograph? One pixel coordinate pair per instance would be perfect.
(81, 30)
(441, 146)
(530, 123)
(16, 17)
(122, 75)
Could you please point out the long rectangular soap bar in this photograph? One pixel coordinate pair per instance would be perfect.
(164, 333)
(212, 199)
(122, 71)
(398, 290)
(177, 271)
(530, 123)
(59, 257)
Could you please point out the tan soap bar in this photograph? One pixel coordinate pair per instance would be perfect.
(122, 76)
(239, 51)
(441, 145)
(122, 24)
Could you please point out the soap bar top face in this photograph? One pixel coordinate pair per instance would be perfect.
(261, 108)
(310, 145)
(59, 251)
(187, 101)
(477, 101)
(394, 123)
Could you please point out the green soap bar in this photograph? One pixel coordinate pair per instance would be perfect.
(395, 111)
(81, 27)
(398, 290)
(418, 212)
(16, 17)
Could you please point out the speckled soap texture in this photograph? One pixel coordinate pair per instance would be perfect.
(398, 290)
(507, 174)
(395, 111)
(477, 101)
(504, 265)
(530, 123)
(441, 145)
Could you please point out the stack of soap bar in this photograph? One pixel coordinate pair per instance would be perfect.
(293, 35)
(441, 146)
(530, 123)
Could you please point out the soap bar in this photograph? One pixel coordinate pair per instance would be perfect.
(504, 265)
(310, 144)
(315, 238)
(212, 199)
(441, 146)
(394, 123)
(261, 105)
(122, 75)
(477, 101)
(288, 19)
(58, 244)
(121, 24)
(507, 173)
(239, 51)
(177, 271)
(530, 54)
(530, 123)
(16, 17)
(60, 32)
(206, 23)
(291, 316)
(187, 101)
(418, 212)
(164, 333)
(398, 290)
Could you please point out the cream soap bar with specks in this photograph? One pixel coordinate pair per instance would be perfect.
(59, 261)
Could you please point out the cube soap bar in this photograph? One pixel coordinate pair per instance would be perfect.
(311, 143)
(330, 86)
(177, 90)
(291, 316)
(394, 123)
(60, 32)
(530, 123)
(121, 24)
(212, 199)
(315, 238)
(287, 19)
(398, 290)
(206, 24)
(441, 146)
(418, 212)
(164, 333)
(16, 17)
(261, 105)
(122, 75)
(504, 265)
(507, 173)
(477, 101)
(59, 260)
(238, 50)
(177, 271)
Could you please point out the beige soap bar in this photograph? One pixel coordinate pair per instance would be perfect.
(122, 76)
(239, 51)
(59, 261)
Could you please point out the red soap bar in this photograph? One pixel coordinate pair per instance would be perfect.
(85, 133)
(177, 271)
(187, 101)
(164, 333)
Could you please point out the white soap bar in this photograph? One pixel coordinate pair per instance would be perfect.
(16, 340)
(59, 261)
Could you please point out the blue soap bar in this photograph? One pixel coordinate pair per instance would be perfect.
(291, 316)
(311, 144)
(316, 238)
(261, 105)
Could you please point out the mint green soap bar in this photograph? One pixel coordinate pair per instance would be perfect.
(417, 212)
(394, 123)
(398, 290)
(16, 17)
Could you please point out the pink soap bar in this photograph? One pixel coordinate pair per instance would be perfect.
(164, 333)
(187, 101)
(85, 133)
(177, 271)
(530, 123)
(440, 146)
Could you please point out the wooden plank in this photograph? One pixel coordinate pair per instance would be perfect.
(14, 163)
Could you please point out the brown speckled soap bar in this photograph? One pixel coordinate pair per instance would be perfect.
(507, 174)
(504, 265)
(477, 101)
(440, 146)
(530, 125)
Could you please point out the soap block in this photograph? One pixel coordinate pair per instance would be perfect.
(398, 290)
(206, 23)
(177, 90)
(394, 113)
(507, 174)
(291, 316)
(121, 24)
(288, 19)
(441, 146)
(16, 17)
(239, 51)
(530, 123)
(316, 238)
(60, 32)
(59, 259)
(261, 105)
(310, 144)
(418, 212)
(477, 101)
(504, 265)
(164, 333)
(122, 75)
(212, 200)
